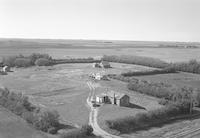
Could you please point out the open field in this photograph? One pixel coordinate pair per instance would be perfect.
(60, 87)
(94, 48)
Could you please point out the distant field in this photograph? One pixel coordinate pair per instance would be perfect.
(96, 48)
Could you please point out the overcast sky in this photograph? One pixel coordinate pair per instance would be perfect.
(162, 20)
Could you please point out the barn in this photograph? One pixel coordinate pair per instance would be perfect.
(119, 99)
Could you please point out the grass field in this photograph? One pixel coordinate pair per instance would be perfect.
(60, 87)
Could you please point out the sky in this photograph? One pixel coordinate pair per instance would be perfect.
(150, 20)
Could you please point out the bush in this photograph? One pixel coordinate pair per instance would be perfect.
(47, 120)
(83, 132)
(22, 62)
(42, 62)
(87, 129)
(33, 57)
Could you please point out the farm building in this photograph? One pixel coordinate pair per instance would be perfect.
(6, 69)
(112, 97)
(105, 64)
(102, 98)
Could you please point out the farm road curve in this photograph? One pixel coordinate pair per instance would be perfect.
(93, 116)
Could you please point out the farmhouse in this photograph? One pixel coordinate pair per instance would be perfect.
(113, 97)
(105, 64)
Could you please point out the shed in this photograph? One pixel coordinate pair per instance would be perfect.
(105, 64)
(102, 98)
(6, 69)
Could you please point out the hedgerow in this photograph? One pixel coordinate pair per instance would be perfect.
(25, 61)
(151, 72)
(150, 118)
(145, 61)
(193, 66)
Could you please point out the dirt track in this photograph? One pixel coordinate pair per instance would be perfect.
(93, 116)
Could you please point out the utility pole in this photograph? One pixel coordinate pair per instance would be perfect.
(191, 100)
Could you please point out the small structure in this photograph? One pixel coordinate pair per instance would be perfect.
(105, 64)
(112, 97)
(96, 65)
(6, 69)
(102, 98)
(99, 76)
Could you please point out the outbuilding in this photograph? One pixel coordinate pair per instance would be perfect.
(105, 64)
(6, 69)
(119, 99)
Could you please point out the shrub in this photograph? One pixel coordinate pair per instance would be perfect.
(33, 57)
(42, 62)
(47, 120)
(22, 62)
(82, 132)
(87, 129)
